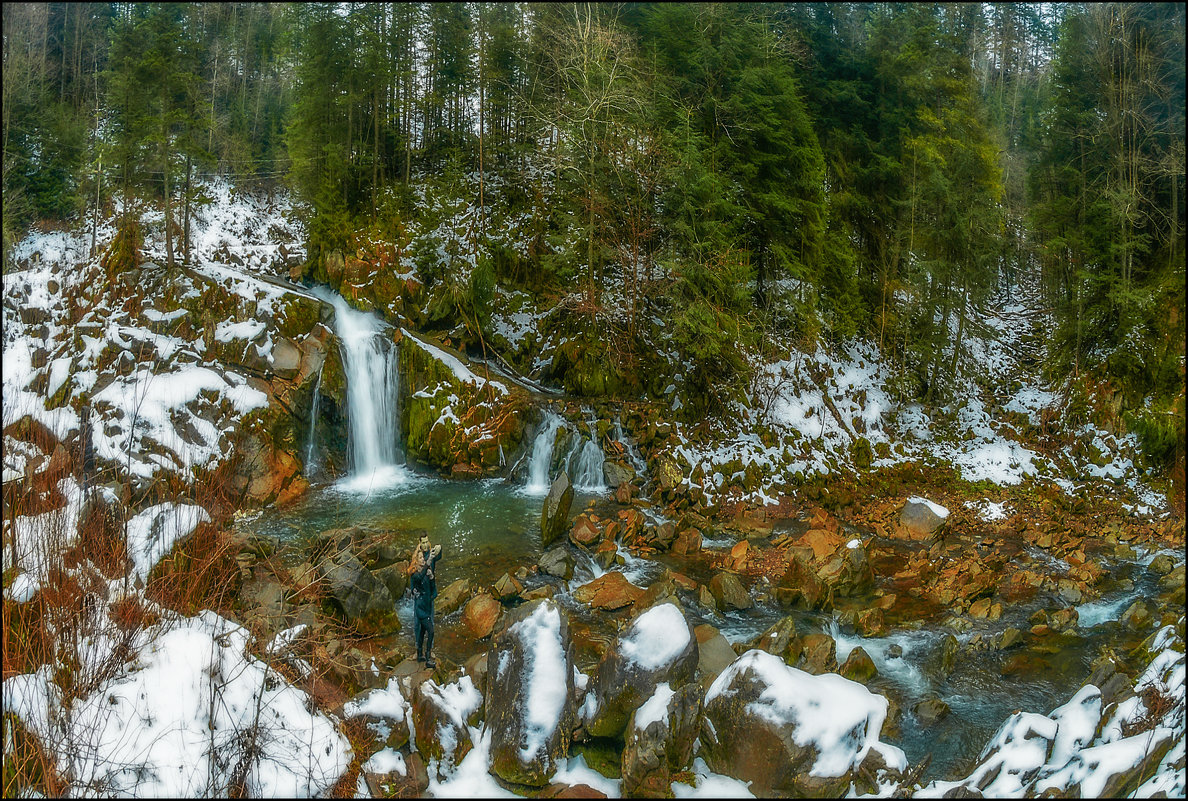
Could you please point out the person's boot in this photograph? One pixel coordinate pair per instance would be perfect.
(429, 663)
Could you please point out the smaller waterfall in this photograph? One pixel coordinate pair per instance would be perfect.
(585, 465)
(542, 455)
(310, 464)
(637, 462)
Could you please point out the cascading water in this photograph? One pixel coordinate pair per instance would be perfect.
(310, 465)
(369, 362)
(542, 455)
(585, 462)
(633, 456)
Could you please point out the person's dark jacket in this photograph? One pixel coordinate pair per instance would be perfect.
(424, 585)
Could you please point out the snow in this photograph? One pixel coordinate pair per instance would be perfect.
(172, 720)
(576, 771)
(386, 761)
(472, 777)
(707, 784)
(40, 540)
(656, 638)
(840, 718)
(458, 700)
(245, 329)
(936, 508)
(153, 532)
(545, 673)
(284, 639)
(655, 708)
(387, 702)
(460, 371)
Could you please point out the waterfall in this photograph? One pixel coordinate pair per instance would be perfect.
(310, 466)
(584, 463)
(641, 467)
(369, 362)
(542, 455)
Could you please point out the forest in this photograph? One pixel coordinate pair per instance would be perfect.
(793, 392)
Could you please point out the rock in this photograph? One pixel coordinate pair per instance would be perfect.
(506, 588)
(1174, 580)
(570, 791)
(453, 596)
(1064, 619)
(714, 653)
(286, 358)
(529, 703)
(557, 562)
(930, 711)
(659, 740)
(360, 595)
(756, 716)
(624, 492)
(441, 716)
(859, 666)
(617, 473)
(584, 532)
(729, 593)
(476, 668)
(949, 648)
(1162, 564)
(870, 623)
(980, 609)
(609, 591)
(395, 578)
(780, 639)
(658, 647)
(554, 515)
(1139, 615)
(607, 554)
(687, 541)
(1009, 638)
(918, 520)
(480, 614)
(818, 654)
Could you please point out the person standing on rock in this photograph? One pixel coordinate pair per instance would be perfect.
(424, 591)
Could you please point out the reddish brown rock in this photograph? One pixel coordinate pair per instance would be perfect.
(480, 614)
(609, 591)
(584, 531)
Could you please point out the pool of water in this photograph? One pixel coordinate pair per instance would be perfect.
(492, 526)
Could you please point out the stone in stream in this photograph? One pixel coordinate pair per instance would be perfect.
(930, 711)
(789, 733)
(780, 639)
(480, 614)
(557, 562)
(859, 666)
(949, 648)
(530, 710)
(918, 520)
(714, 653)
(507, 587)
(1162, 564)
(659, 740)
(617, 473)
(818, 654)
(729, 593)
(1064, 619)
(1139, 615)
(658, 647)
(609, 591)
(452, 597)
(554, 514)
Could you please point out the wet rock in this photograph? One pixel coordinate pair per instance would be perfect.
(554, 515)
(1162, 564)
(476, 668)
(665, 534)
(1174, 580)
(729, 592)
(607, 555)
(687, 541)
(286, 358)
(659, 740)
(617, 473)
(1069, 591)
(529, 704)
(1139, 615)
(453, 596)
(870, 623)
(1009, 638)
(506, 588)
(930, 711)
(859, 666)
(441, 716)
(949, 648)
(714, 653)
(818, 654)
(1064, 619)
(609, 591)
(584, 532)
(480, 613)
(752, 727)
(624, 493)
(557, 562)
(361, 596)
(536, 594)
(780, 639)
(658, 647)
(662, 591)
(918, 521)
(395, 578)
(570, 791)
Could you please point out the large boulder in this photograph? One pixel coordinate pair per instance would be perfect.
(361, 596)
(920, 518)
(554, 515)
(788, 732)
(557, 562)
(530, 696)
(480, 614)
(729, 592)
(825, 564)
(714, 653)
(442, 716)
(659, 740)
(659, 646)
(610, 591)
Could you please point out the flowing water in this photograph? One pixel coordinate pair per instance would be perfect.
(310, 462)
(542, 454)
